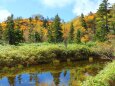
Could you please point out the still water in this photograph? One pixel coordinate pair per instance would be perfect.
(63, 74)
(41, 79)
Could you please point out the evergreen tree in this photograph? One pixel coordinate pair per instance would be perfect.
(30, 19)
(31, 33)
(101, 35)
(31, 36)
(94, 25)
(58, 30)
(18, 36)
(36, 18)
(37, 37)
(78, 36)
(10, 30)
(83, 23)
(103, 13)
(45, 23)
(71, 33)
(41, 34)
(18, 33)
(113, 18)
(13, 35)
(50, 34)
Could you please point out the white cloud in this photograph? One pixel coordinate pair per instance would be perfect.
(85, 6)
(112, 1)
(79, 6)
(4, 14)
(56, 3)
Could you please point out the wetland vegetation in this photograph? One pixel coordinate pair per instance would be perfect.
(39, 51)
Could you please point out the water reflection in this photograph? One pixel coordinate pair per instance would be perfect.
(46, 79)
(64, 78)
(24, 80)
(4, 82)
(56, 77)
(36, 79)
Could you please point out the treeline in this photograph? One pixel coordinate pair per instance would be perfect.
(94, 27)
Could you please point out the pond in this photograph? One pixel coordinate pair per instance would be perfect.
(58, 74)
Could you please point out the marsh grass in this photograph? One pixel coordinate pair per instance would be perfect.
(103, 78)
(31, 54)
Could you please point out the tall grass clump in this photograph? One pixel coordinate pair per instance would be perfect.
(103, 50)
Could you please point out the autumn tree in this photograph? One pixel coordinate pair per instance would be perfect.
(91, 21)
(65, 31)
(58, 30)
(1, 32)
(41, 32)
(83, 22)
(71, 33)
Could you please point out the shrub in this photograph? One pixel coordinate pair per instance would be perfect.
(45, 53)
(103, 78)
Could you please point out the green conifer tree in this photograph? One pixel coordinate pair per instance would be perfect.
(58, 30)
(83, 23)
(10, 30)
(71, 33)
(78, 36)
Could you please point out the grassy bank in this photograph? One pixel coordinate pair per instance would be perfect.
(27, 54)
(106, 77)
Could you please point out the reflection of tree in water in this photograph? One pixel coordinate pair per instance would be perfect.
(19, 79)
(64, 78)
(41, 79)
(11, 80)
(36, 79)
(46, 79)
(33, 77)
(56, 77)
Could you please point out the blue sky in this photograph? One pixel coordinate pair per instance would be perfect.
(67, 9)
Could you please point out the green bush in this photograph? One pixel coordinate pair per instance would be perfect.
(103, 78)
(45, 53)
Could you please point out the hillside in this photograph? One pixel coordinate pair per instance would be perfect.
(41, 25)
